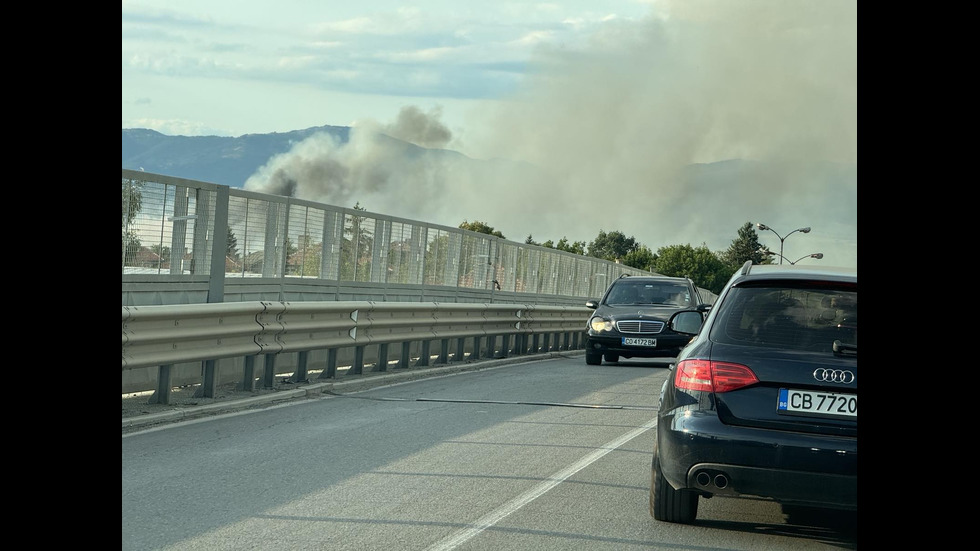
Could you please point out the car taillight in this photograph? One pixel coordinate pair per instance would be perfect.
(711, 376)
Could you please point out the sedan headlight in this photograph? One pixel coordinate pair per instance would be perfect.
(599, 324)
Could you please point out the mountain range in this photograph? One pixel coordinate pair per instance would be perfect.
(216, 159)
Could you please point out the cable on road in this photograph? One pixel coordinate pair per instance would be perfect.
(503, 402)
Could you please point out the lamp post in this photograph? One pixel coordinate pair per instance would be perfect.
(762, 226)
(818, 256)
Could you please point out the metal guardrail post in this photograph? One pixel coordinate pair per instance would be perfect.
(443, 352)
(460, 350)
(330, 371)
(209, 380)
(357, 368)
(248, 373)
(164, 385)
(477, 347)
(269, 377)
(405, 356)
(302, 368)
(424, 356)
(382, 357)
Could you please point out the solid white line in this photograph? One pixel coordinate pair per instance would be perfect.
(457, 539)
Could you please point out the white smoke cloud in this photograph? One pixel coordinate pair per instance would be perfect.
(603, 136)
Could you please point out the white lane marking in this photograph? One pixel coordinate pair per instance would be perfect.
(460, 537)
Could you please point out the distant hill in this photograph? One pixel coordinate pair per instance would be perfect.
(231, 161)
(215, 159)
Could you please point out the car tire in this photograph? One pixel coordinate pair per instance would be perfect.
(593, 358)
(668, 504)
(612, 358)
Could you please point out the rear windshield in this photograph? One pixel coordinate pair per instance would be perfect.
(793, 317)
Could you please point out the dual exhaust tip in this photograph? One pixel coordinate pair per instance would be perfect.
(718, 481)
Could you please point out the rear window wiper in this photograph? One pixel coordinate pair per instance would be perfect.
(842, 349)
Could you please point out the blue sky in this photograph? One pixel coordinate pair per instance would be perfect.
(611, 100)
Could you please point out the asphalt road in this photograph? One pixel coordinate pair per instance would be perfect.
(545, 455)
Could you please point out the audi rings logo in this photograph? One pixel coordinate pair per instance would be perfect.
(834, 376)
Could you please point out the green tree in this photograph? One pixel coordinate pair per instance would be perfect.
(355, 250)
(577, 247)
(642, 257)
(304, 258)
(132, 204)
(481, 227)
(291, 249)
(700, 264)
(232, 251)
(530, 240)
(744, 247)
(612, 246)
(436, 253)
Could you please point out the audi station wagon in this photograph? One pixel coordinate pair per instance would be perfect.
(763, 402)
(630, 321)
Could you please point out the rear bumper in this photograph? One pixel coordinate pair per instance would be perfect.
(699, 452)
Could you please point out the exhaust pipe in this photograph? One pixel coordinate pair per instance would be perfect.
(705, 480)
(721, 481)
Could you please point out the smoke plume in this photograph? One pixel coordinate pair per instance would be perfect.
(674, 130)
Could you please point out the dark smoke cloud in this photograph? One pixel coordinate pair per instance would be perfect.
(634, 131)
(423, 129)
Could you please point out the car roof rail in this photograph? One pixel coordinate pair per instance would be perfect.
(746, 267)
(621, 276)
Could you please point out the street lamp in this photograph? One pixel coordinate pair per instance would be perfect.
(762, 226)
(818, 256)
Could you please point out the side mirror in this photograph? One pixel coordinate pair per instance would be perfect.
(687, 322)
(592, 303)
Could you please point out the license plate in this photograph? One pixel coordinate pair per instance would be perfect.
(823, 404)
(633, 341)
